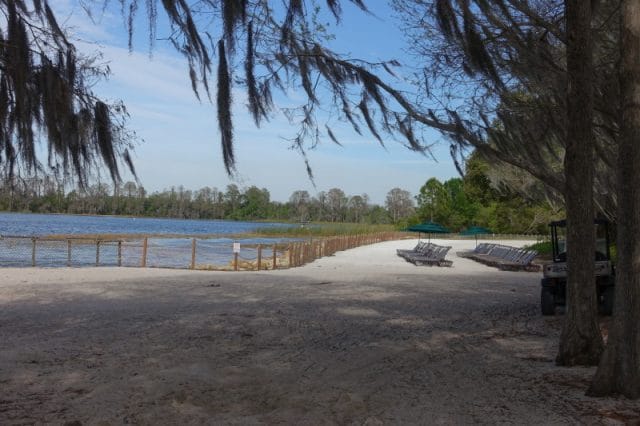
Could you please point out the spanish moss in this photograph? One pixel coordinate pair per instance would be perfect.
(224, 109)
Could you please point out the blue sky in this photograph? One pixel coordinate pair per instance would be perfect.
(181, 140)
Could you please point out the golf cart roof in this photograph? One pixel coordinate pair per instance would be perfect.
(563, 223)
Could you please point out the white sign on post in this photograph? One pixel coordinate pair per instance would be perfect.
(236, 247)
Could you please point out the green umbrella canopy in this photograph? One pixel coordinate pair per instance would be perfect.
(429, 228)
(476, 230)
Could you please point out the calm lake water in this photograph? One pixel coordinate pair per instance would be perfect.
(21, 224)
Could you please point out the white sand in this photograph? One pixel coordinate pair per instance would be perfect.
(362, 337)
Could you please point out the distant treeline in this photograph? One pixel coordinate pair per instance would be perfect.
(503, 205)
(234, 203)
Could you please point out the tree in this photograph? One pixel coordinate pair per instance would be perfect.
(477, 182)
(203, 203)
(619, 368)
(300, 201)
(480, 65)
(431, 200)
(399, 204)
(507, 199)
(129, 189)
(232, 199)
(460, 209)
(508, 55)
(358, 205)
(378, 214)
(320, 206)
(255, 203)
(495, 78)
(336, 204)
(581, 341)
(130, 203)
(492, 179)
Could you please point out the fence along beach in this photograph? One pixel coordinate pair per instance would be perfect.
(178, 253)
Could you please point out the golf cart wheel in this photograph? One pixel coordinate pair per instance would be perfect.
(606, 301)
(547, 302)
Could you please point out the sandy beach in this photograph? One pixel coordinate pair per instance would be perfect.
(362, 337)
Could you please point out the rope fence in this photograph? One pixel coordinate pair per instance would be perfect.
(219, 254)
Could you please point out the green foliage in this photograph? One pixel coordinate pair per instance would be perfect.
(542, 247)
(477, 184)
(459, 203)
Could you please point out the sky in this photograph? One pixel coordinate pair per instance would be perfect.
(180, 139)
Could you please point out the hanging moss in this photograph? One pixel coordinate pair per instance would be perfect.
(224, 102)
(43, 97)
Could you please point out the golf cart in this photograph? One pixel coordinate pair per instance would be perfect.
(554, 281)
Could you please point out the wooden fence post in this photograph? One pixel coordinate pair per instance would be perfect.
(68, 252)
(290, 249)
(294, 251)
(33, 251)
(259, 262)
(97, 252)
(193, 253)
(119, 253)
(274, 257)
(145, 245)
(235, 261)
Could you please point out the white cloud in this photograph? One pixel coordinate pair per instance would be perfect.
(138, 75)
(96, 27)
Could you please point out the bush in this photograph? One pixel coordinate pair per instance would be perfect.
(542, 247)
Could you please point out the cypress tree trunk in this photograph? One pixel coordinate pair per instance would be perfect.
(619, 369)
(581, 340)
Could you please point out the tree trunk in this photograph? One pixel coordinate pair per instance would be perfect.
(581, 340)
(619, 369)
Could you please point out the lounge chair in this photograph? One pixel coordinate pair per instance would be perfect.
(432, 256)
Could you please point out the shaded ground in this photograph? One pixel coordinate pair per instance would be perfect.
(359, 338)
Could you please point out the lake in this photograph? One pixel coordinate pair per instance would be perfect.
(26, 224)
